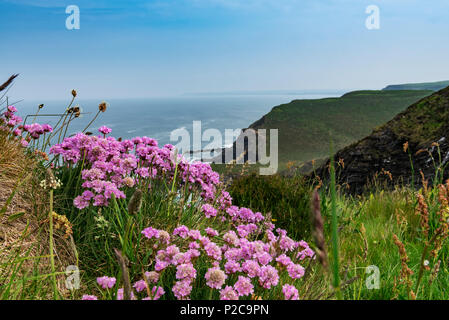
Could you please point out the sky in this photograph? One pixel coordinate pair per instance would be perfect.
(138, 48)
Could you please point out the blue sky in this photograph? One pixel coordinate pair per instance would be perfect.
(140, 48)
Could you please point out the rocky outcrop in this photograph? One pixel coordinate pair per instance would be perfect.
(420, 132)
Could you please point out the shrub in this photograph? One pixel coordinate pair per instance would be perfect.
(288, 200)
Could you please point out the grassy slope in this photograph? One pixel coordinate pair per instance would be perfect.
(305, 126)
(435, 86)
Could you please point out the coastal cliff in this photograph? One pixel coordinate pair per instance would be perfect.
(420, 133)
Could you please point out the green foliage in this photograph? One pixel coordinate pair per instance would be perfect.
(423, 121)
(288, 200)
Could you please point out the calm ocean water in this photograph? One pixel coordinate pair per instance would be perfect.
(157, 117)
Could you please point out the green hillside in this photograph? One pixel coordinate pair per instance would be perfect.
(434, 86)
(305, 126)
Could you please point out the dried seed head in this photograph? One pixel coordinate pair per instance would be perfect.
(102, 106)
(318, 230)
(41, 106)
(423, 212)
(61, 222)
(406, 272)
(74, 93)
(128, 181)
(51, 181)
(405, 146)
(135, 203)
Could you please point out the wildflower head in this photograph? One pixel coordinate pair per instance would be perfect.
(243, 286)
(228, 293)
(104, 130)
(215, 278)
(106, 282)
(290, 292)
(102, 106)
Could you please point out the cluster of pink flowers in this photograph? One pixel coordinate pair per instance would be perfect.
(36, 130)
(10, 117)
(244, 254)
(245, 262)
(112, 165)
(237, 265)
(9, 121)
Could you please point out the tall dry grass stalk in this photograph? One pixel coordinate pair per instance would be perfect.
(406, 272)
(318, 231)
(123, 263)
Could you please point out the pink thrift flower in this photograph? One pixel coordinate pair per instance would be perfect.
(284, 260)
(89, 297)
(140, 285)
(243, 286)
(181, 231)
(251, 267)
(152, 276)
(80, 203)
(106, 282)
(228, 293)
(213, 251)
(194, 234)
(290, 292)
(12, 109)
(231, 238)
(215, 278)
(232, 267)
(211, 232)
(104, 130)
(157, 292)
(268, 277)
(286, 244)
(182, 289)
(185, 271)
(295, 271)
(306, 253)
(209, 211)
(264, 258)
(150, 233)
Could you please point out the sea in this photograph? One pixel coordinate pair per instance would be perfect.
(158, 117)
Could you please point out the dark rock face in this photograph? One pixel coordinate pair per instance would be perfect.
(424, 126)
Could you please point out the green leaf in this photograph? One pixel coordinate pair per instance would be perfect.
(16, 216)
